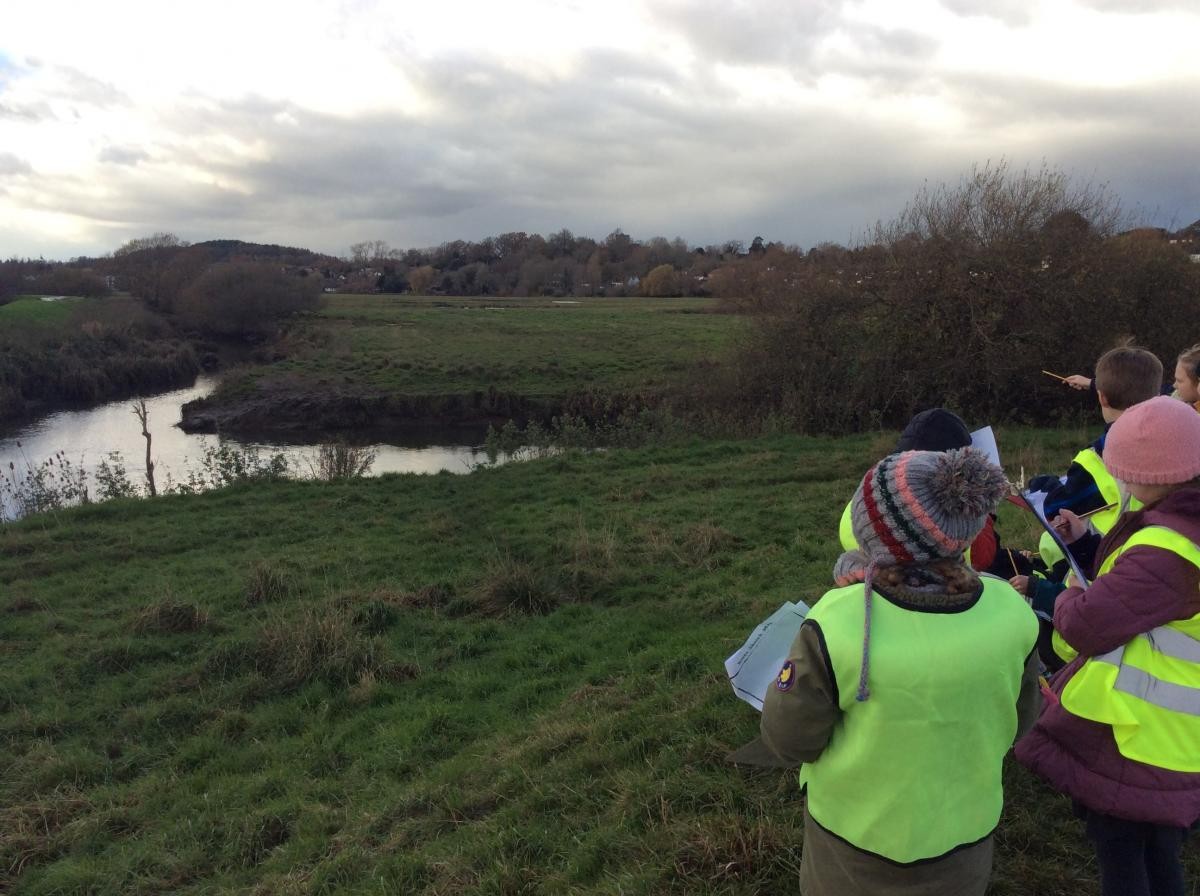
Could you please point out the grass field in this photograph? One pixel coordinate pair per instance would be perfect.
(31, 310)
(508, 683)
(406, 345)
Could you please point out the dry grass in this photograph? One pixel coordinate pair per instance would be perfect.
(323, 643)
(510, 586)
(268, 584)
(30, 832)
(170, 616)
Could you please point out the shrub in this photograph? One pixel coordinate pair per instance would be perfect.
(341, 460)
(959, 302)
(245, 300)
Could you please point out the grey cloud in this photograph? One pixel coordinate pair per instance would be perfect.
(1150, 112)
(83, 88)
(621, 141)
(1011, 12)
(770, 32)
(12, 165)
(795, 38)
(1139, 6)
(122, 155)
(31, 112)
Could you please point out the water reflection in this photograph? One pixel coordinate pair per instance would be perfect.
(86, 438)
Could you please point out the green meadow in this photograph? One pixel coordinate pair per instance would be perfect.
(538, 348)
(27, 311)
(509, 682)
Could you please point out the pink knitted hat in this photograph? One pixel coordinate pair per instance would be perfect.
(1155, 442)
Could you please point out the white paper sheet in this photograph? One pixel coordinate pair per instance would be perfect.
(753, 667)
(985, 440)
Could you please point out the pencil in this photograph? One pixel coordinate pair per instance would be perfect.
(1055, 375)
(1084, 516)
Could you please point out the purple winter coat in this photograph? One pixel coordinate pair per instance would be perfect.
(1147, 587)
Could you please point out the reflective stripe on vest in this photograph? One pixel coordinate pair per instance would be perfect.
(1149, 689)
(914, 771)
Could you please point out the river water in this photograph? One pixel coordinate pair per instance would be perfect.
(86, 437)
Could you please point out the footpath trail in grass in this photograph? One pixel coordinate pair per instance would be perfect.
(508, 682)
(405, 345)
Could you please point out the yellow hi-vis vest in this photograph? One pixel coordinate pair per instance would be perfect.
(846, 531)
(850, 543)
(1149, 689)
(913, 772)
(1110, 492)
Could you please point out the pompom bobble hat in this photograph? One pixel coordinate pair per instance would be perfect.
(921, 506)
(1155, 442)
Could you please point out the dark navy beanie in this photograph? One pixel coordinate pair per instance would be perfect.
(936, 429)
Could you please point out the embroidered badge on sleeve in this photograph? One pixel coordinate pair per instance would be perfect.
(786, 677)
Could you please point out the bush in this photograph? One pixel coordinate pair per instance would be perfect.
(960, 302)
(341, 460)
(245, 300)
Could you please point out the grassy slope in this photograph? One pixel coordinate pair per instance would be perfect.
(413, 345)
(304, 687)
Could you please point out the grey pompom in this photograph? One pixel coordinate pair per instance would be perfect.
(965, 483)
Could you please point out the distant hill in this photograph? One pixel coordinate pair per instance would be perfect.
(225, 250)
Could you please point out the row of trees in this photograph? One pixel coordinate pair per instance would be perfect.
(960, 301)
(561, 264)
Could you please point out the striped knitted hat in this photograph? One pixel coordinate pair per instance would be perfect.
(924, 505)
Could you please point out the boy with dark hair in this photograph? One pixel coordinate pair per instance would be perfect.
(1125, 376)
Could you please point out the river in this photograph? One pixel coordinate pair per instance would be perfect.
(86, 437)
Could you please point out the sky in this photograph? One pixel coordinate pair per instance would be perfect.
(321, 123)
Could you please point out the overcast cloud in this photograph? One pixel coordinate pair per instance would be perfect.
(321, 123)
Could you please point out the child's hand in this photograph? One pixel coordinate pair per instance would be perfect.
(851, 567)
(1021, 584)
(1075, 381)
(1070, 528)
(848, 577)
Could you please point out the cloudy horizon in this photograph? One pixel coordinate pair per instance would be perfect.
(321, 123)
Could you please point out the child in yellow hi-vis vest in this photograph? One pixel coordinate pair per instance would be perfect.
(919, 653)
(1123, 737)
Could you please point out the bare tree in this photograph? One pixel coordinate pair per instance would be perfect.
(143, 414)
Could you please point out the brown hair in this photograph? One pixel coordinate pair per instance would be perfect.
(1190, 359)
(1127, 375)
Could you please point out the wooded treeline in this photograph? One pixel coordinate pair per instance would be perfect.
(961, 301)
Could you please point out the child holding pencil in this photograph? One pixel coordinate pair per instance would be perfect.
(1124, 376)
(1123, 738)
